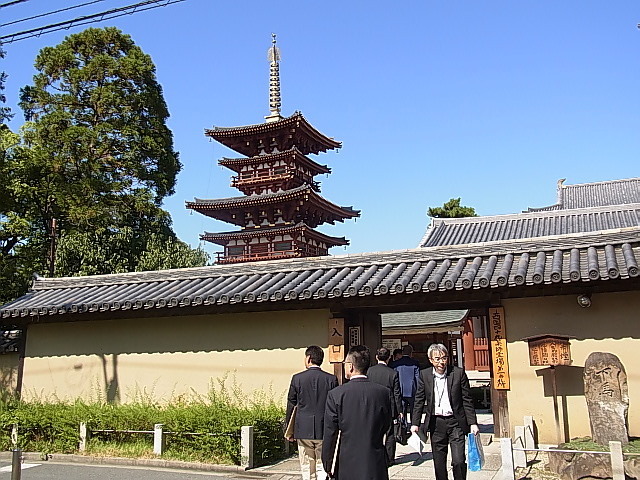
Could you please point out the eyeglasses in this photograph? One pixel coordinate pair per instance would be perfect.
(439, 359)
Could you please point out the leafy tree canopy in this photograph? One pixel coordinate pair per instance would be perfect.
(88, 173)
(452, 209)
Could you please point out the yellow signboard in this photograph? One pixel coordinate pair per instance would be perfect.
(499, 356)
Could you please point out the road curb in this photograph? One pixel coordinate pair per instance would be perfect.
(132, 462)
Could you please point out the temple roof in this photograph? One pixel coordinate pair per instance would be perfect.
(231, 209)
(471, 230)
(222, 238)
(236, 164)
(418, 277)
(596, 194)
(288, 132)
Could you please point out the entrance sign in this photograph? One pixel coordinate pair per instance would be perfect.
(499, 356)
(336, 340)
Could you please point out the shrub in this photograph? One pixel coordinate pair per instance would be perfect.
(53, 426)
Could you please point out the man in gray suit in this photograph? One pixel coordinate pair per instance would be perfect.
(444, 397)
(308, 392)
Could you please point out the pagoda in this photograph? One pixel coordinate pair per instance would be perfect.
(281, 203)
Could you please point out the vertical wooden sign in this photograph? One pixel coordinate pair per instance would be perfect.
(499, 354)
(336, 340)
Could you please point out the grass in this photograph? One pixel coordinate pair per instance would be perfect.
(586, 443)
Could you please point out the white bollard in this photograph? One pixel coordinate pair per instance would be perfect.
(14, 435)
(519, 457)
(246, 447)
(529, 440)
(617, 461)
(82, 446)
(158, 439)
(507, 472)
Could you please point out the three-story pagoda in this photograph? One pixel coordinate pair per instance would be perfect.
(281, 205)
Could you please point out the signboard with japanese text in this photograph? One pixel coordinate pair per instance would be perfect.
(354, 336)
(549, 350)
(499, 355)
(336, 340)
(392, 343)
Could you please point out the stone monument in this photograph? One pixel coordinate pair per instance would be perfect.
(607, 395)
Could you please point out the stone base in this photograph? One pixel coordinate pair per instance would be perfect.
(589, 466)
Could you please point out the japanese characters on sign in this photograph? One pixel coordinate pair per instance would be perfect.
(499, 354)
(336, 340)
(549, 350)
(354, 336)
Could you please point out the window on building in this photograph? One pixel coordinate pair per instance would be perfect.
(282, 246)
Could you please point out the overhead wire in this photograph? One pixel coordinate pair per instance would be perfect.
(86, 19)
(15, 2)
(49, 13)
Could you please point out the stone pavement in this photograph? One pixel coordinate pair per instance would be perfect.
(409, 465)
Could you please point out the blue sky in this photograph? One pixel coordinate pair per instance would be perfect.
(491, 101)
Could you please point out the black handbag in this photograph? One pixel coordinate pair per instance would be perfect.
(401, 431)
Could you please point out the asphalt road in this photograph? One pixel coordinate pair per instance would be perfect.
(61, 471)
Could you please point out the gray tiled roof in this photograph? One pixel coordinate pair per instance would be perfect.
(470, 230)
(579, 259)
(597, 194)
(443, 318)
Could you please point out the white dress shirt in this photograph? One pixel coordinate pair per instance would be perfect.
(442, 405)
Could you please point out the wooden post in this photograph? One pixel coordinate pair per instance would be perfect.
(246, 447)
(617, 461)
(16, 464)
(467, 345)
(158, 439)
(519, 457)
(507, 472)
(83, 437)
(529, 439)
(556, 409)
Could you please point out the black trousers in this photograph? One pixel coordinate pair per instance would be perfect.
(407, 407)
(390, 445)
(446, 432)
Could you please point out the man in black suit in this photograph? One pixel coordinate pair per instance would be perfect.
(308, 392)
(383, 375)
(357, 416)
(444, 396)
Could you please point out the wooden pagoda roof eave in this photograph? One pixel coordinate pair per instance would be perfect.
(231, 163)
(222, 134)
(221, 238)
(207, 207)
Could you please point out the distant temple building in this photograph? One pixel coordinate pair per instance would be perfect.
(281, 206)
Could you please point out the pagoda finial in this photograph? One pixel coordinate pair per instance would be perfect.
(274, 82)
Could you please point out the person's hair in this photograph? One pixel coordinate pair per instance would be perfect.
(437, 347)
(397, 351)
(407, 349)
(383, 354)
(360, 358)
(315, 353)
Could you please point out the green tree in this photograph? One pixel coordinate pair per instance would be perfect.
(91, 168)
(5, 112)
(452, 209)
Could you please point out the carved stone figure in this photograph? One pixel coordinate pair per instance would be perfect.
(607, 395)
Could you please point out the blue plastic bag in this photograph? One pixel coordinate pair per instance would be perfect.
(475, 455)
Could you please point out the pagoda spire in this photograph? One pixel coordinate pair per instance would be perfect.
(273, 55)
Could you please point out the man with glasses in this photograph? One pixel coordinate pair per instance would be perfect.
(444, 397)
